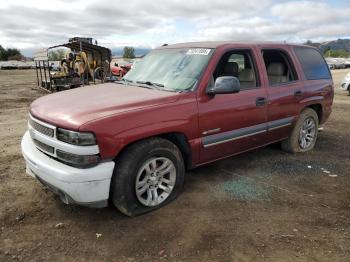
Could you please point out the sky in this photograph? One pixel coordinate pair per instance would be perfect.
(32, 24)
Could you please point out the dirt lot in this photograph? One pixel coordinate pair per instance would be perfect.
(264, 205)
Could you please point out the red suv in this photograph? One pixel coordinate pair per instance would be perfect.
(182, 106)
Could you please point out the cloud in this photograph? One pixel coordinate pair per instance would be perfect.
(310, 13)
(294, 21)
(38, 23)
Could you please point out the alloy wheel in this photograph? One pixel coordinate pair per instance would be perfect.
(155, 181)
(307, 133)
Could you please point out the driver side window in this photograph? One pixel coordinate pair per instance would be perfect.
(240, 64)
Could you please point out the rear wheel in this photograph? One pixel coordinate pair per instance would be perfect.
(148, 175)
(304, 134)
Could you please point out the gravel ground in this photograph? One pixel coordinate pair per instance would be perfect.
(265, 205)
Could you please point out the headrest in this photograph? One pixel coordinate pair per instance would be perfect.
(247, 75)
(275, 69)
(231, 68)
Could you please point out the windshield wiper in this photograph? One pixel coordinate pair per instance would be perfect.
(123, 80)
(156, 85)
(127, 80)
(137, 83)
(149, 83)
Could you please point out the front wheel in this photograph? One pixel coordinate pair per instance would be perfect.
(148, 175)
(304, 134)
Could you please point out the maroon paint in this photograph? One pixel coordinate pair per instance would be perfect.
(120, 115)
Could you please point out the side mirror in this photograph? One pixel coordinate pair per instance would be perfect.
(225, 85)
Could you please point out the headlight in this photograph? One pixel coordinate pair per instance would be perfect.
(76, 138)
(80, 161)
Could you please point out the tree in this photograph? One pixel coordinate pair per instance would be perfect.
(13, 53)
(56, 55)
(17, 57)
(129, 52)
(3, 55)
(308, 42)
(337, 53)
(10, 54)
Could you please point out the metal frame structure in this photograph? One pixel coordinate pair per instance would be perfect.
(77, 44)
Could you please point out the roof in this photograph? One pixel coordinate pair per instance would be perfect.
(75, 45)
(105, 52)
(217, 44)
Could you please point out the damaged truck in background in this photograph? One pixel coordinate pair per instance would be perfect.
(84, 63)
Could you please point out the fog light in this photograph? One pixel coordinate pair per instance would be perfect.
(81, 161)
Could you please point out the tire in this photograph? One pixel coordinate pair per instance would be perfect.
(132, 165)
(294, 143)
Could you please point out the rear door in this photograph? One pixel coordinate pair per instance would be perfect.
(232, 123)
(284, 91)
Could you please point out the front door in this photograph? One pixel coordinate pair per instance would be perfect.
(233, 123)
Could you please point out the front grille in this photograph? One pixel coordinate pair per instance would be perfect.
(44, 147)
(41, 128)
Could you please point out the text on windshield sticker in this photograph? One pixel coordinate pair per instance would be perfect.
(198, 51)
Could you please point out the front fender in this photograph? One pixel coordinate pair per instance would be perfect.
(116, 132)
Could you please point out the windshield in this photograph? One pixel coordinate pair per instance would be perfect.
(170, 69)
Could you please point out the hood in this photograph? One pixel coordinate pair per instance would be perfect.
(72, 108)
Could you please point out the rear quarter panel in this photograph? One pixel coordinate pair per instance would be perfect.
(319, 91)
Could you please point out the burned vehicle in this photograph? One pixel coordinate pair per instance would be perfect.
(84, 62)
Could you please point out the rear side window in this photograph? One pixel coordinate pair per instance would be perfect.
(280, 69)
(313, 64)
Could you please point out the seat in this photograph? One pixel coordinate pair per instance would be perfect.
(230, 69)
(275, 73)
(247, 78)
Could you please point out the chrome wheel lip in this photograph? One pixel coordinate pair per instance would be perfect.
(155, 181)
(307, 133)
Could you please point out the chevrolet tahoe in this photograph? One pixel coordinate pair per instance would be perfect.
(182, 106)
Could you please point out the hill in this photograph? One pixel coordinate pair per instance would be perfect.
(340, 44)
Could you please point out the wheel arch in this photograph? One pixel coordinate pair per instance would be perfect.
(181, 141)
(177, 138)
(318, 109)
